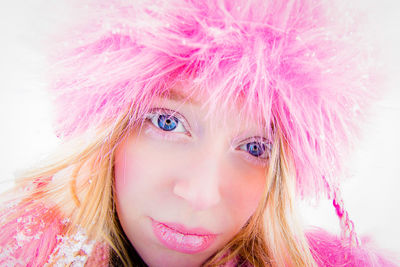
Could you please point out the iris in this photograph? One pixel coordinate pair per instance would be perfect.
(255, 148)
(167, 122)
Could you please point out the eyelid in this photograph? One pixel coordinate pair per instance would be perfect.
(256, 139)
(260, 139)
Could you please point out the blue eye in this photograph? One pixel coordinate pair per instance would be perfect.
(167, 123)
(256, 149)
(163, 120)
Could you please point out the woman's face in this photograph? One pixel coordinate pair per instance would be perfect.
(184, 184)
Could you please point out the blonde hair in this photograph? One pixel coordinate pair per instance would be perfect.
(82, 188)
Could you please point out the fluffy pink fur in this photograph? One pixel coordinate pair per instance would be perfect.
(328, 250)
(30, 237)
(298, 64)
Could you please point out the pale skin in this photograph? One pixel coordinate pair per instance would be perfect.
(200, 174)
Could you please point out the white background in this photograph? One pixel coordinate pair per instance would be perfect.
(371, 194)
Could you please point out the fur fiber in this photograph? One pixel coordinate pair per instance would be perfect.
(29, 238)
(329, 250)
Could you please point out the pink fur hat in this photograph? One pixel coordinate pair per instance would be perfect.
(297, 63)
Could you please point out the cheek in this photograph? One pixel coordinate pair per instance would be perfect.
(243, 192)
(126, 189)
(140, 177)
(134, 180)
(129, 175)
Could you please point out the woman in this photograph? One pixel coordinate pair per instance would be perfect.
(189, 129)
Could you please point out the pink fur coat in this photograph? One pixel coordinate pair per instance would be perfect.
(36, 239)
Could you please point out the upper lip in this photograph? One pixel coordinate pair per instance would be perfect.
(185, 230)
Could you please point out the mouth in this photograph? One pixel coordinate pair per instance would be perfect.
(177, 237)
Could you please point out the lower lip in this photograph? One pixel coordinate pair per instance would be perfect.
(185, 243)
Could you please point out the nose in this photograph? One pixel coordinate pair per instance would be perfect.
(200, 185)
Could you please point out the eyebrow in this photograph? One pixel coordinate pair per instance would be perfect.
(178, 96)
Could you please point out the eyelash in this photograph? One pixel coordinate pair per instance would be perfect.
(172, 116)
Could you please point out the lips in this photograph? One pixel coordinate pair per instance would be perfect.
(177, 237)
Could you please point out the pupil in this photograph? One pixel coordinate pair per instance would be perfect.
(167, 123)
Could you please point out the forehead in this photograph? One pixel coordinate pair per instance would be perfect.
(221, 111)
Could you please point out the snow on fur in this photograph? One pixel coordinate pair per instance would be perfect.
(330, 251)
(30, 237)
(297, 64)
